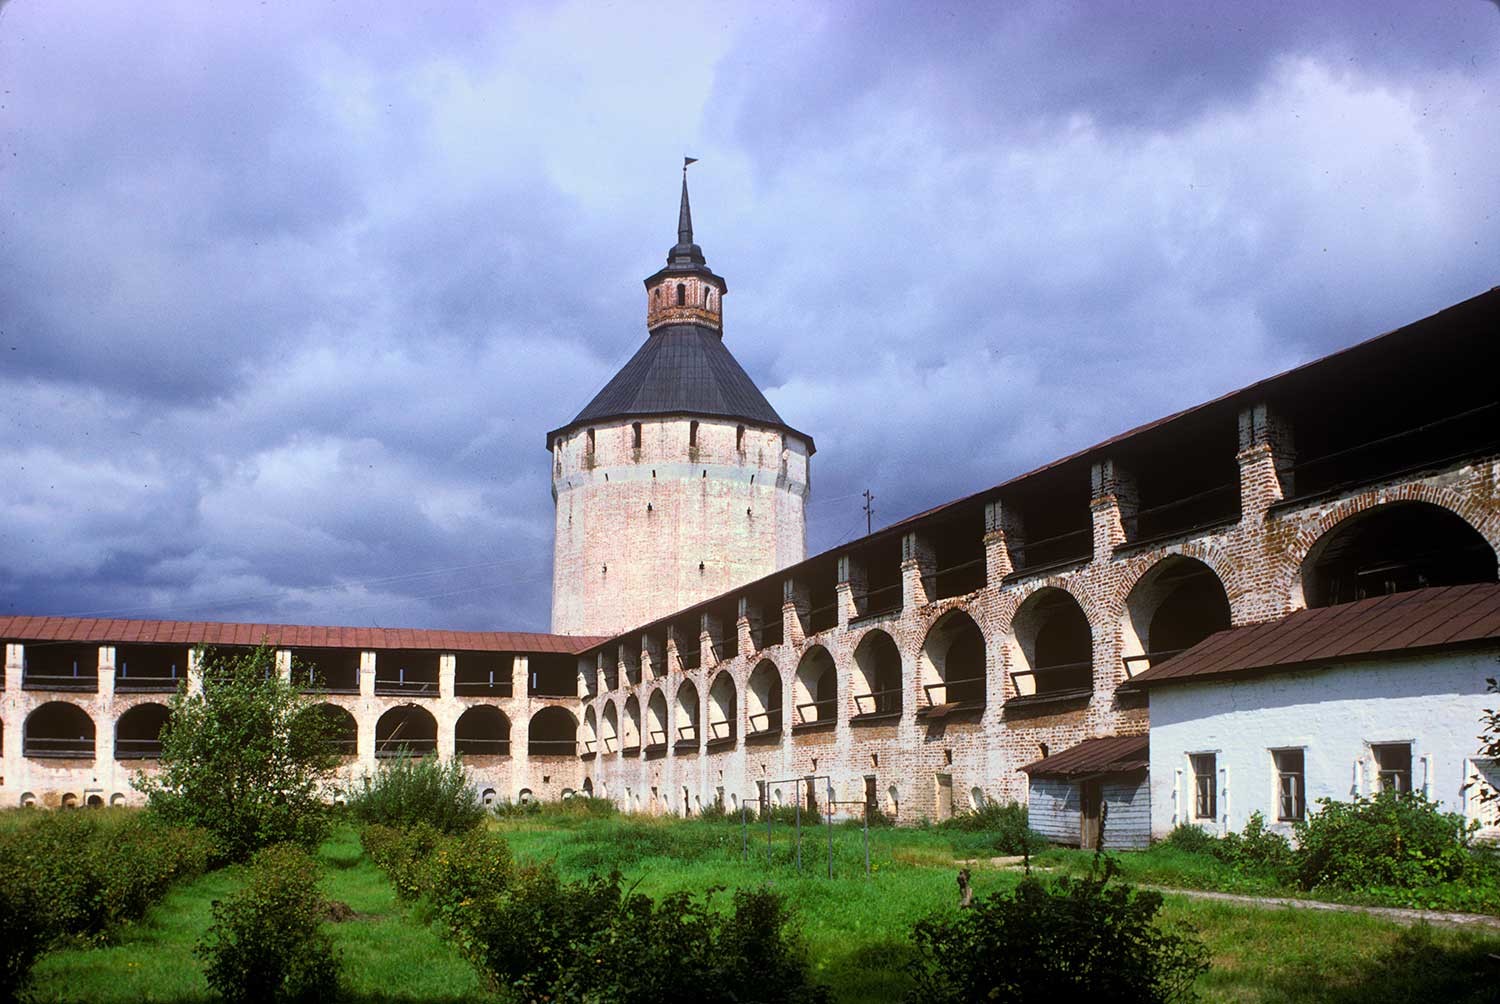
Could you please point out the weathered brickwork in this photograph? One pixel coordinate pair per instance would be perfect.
(104, 778)
(699, 507)
(1257, 560)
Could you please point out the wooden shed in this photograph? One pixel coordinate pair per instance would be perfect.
(1102, 780)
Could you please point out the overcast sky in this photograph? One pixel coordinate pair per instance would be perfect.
(290, 293)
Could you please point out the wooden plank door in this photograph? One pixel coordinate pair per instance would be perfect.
(1092, 797)
(944, 797)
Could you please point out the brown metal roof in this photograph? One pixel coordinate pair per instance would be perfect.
(1421, 619)
(1106, 755)
(82, 629)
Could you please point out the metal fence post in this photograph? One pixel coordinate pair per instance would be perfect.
(828, 825)
(798, 790)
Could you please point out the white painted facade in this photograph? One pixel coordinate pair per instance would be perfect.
(1336, 715)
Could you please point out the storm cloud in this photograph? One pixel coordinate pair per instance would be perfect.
(289, 294)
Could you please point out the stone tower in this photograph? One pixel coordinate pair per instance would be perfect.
(678, 481)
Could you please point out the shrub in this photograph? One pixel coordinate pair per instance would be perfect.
(1393, 839)
(1190, 838)
(23, 926)
(517, 810)
(1079, 938)
(680, 948)
(403, 854)
(96, 870)
(521, 937)
(464, 870)
(1256, 848)
(244, 759)
(265, 943)
(586, 806)
(538, 938)
(407, 791)
(1007, 824)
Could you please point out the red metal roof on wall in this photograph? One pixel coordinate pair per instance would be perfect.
(1421, 619)
(84, 629)
(1106, 755)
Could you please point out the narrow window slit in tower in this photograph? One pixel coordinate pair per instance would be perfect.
(692, 433)
(681, 295)
(635, 435)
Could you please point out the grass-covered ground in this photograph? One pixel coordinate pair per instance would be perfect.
(855, 927)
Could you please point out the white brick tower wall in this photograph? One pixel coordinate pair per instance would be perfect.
(645, 531)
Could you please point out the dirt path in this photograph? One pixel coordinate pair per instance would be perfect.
(1400, 915)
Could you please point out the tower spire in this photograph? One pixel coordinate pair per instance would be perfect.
(684, 214)
(685, 253)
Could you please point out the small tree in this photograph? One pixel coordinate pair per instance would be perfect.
(244, 758)
(1489, 744)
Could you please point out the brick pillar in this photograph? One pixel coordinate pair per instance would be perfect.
(653, 655)
(711, 651)
(795, 605)
(106, 670)
(588, 677)
(918, 564)
(742, 624)
(1266, 457)
(367, 675)
(852, 587)
(447, 671)
(1113, 506)
(520, 725)
(675, 645)
(447, 732)
(1003, 542)
(283, 657)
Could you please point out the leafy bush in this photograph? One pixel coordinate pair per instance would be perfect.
(521, 937)
(265, 943)
(407, 791)
(1256, 848)
(585, 806)
(23, 924)
(538, 938)
(680, 948)
(1006, 823)
(518, 810)
(1082, 938)
(466, 869)
(1190, 838)
(96, 870)
(1393, 839)
(244, 759)
(403, 854)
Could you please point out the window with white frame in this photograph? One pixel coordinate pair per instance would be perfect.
(1291, 786)
(1392, 766)
(1205, 787)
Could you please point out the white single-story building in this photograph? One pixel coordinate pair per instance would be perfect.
(1327, 703)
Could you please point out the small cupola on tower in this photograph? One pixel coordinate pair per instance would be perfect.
(686, 291)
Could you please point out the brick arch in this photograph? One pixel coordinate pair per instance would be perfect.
(1288, 581)
(1228, 572)
(1073, 585)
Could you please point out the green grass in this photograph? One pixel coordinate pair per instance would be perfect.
(855, 928)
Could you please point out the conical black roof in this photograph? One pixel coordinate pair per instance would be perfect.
(683, 369)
